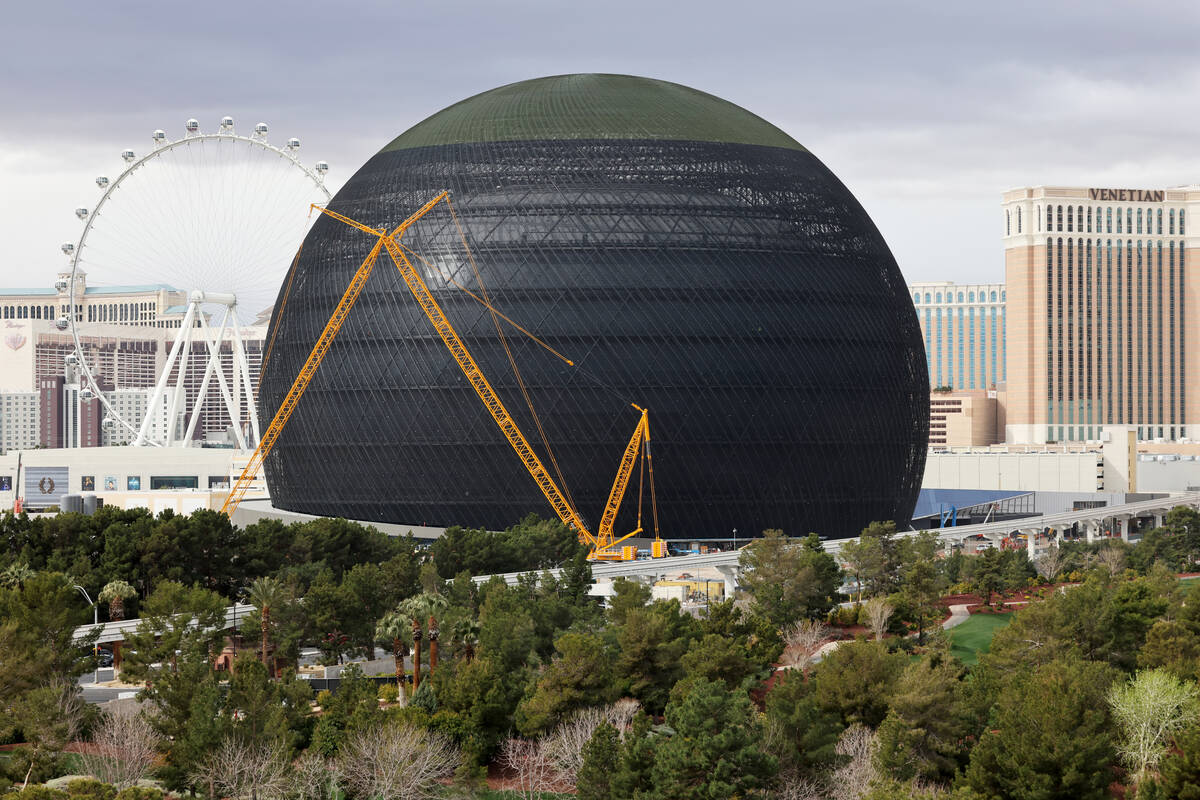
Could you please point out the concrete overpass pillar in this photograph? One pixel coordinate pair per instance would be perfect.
(1093, 530)
(1058, 536)
(730, 573)
(1124, 523)
(1031, 543)
(1159, 519)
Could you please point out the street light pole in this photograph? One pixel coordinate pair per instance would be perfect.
(96, 622)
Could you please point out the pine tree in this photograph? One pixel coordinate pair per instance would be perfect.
(923, 733)
(633, 779)
(1181, 769)
(714, 752)
(802, 736)
(1051, 736)
(601, 759)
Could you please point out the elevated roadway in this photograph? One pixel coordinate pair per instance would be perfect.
(118, 631)
(1094, 521)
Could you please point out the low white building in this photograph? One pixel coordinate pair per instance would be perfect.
(157, 478)
(1118, 463)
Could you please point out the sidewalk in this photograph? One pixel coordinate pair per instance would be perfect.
(958, 615)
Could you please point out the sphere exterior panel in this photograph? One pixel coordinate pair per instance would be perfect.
(738, 291)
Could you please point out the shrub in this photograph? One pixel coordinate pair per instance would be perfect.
(846, 616)
(389, 692)
(424, 698)
(90, 789)
(35, 792)
(139, 793)
(323, 698)
(47, 766)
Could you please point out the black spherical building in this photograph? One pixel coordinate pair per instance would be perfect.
(689, 256)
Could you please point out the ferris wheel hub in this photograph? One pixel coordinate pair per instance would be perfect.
(216, 298)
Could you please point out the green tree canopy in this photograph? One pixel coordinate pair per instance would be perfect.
(714, 751)
(581, 674)
(1050, 736)
(789, 581)
(856, 681)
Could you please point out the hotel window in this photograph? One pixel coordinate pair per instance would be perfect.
(960, 299)
(993, 297)
(939, 297)
(1108, 218)
(1018, 219)
(1039, 215)
(1007, 222)
(1070, 218)
(970, 297)
(1139, 229)
(1089, 219)
(916, 297)
(1171, 221)
(1060, 218)
(1119, 221)
(1182, 232)
(927, 297)
(1159, 222)
(1129, 220)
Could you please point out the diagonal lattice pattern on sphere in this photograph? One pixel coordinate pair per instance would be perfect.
(736, 289)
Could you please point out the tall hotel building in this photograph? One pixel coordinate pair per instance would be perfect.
(963, 329)
(1101, 283)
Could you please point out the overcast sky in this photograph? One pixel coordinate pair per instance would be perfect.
(926, 110)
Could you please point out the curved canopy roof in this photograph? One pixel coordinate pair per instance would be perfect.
(593, 106)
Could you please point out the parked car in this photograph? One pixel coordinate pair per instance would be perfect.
(104, 657)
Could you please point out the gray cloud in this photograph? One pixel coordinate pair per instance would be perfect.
(926, 110)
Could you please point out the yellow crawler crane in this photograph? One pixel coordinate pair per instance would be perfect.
(602, 544)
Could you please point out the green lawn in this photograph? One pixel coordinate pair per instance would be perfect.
(974, 636)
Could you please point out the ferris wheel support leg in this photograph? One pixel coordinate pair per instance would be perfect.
(160, 387)
(213, 365)
(243, 371)
(232, 405)
(200, 395)
(179, 393)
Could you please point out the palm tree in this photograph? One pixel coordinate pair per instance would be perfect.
(265, 594)
(15, 575)
(422, 605)
(435, 604)
(115, 593)
(392, 629)
(465, 634)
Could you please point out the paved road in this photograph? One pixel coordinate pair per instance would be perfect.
(958, 615)
(94, 693)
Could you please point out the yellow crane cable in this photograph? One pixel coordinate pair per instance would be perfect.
(450, 279)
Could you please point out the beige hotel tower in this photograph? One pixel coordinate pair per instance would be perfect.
(1102, 326)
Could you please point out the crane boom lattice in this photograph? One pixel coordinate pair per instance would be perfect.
(487, 394)
(292, 398)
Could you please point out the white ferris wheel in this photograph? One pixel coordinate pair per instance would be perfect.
(212, 221)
